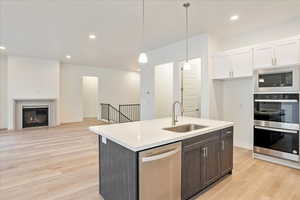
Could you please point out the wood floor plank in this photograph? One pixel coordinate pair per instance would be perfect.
(62, 164)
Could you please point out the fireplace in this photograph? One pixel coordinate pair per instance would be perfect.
(35, 116)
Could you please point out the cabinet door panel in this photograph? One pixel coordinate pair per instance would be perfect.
(192, 170)
(263, 56)
(241, 61)
(226, 151)
(222, 68)
(213, 161)
(287, 52)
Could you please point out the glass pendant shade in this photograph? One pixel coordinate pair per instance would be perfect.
(143, 59)
(187, 66)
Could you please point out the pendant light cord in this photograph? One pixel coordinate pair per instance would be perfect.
(143, 26)
(187, 5)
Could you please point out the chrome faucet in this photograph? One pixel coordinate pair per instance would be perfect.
(174, 116)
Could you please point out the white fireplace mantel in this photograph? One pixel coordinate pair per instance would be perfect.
(19, 103)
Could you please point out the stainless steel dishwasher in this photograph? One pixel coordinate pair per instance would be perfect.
(160, 173)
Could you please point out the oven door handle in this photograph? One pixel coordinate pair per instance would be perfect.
(277, 100)
(276, 129)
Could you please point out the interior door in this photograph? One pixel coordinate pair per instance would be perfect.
(263, 56)
(287, 52)
(241, 62)
(192, 89)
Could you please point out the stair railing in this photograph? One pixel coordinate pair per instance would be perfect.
(132, 111)
(113, 115)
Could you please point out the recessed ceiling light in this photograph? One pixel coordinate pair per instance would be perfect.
(234, 17)
(68, 57)
(2, 48)
(92, 36)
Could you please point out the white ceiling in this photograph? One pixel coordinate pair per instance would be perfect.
(54, 28)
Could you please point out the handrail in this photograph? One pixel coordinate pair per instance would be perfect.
(120, 113)
(110, 113)
(132, 111)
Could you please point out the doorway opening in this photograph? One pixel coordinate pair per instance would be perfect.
(163, 90)
(90, 107)
(191, 84)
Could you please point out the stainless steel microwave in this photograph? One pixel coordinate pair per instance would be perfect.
(277, 80)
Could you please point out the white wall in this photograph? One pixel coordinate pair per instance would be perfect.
(163, 90)
(199, 48)
(238, 108)
(3, 92)
(90, 96)
(115, 87)
(31, 78)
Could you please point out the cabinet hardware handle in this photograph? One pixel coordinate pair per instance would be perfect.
(205, 152)
(228, 132)
(223, 145)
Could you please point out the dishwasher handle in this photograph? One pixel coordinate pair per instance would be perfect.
(160, 156)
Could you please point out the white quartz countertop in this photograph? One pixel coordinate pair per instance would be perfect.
(138, 136)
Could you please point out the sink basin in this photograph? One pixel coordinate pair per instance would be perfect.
(185, 128)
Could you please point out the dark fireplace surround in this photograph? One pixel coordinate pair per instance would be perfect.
(35, 116)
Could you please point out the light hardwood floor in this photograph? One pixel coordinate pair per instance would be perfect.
(62, 163)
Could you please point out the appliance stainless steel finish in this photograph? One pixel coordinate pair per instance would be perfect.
(160, 173)
(277, 80)
(276, 125)
(185, 128)
(275, 142)
(277, 110)
(290, 126)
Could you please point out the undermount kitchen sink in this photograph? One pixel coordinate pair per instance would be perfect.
(185, 128)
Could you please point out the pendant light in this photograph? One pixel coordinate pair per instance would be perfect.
(187, 65)
(143, 58)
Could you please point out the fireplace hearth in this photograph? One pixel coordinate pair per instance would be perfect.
(35, 116)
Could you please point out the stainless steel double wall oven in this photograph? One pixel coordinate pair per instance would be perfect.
(276, 113)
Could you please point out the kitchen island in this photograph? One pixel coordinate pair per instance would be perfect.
(151, 160)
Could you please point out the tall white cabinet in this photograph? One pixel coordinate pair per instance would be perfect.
(241, 63)
(222, 68)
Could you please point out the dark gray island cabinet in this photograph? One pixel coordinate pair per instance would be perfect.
(205, 159)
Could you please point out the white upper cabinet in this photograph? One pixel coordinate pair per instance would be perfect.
(221, 67)
(287, 52)
(241, 62)
(233, 64)
(277, 54)
(263, 56)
